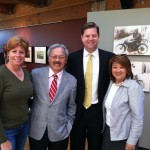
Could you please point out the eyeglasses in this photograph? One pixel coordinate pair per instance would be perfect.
(59, 57)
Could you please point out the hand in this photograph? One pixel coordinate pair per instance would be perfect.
(130, 147)
(6, 145)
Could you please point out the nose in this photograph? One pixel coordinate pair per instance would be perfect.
(18, 54)
(57, 58)
(118, 70)
(91, 37)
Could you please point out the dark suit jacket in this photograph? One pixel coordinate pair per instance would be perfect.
(75, 67)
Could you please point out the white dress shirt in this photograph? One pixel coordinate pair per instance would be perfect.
(108, 103)
(59, 76)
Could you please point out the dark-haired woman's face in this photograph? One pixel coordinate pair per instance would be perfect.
(119, 72)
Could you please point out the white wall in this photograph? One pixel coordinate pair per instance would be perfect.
(107, 20)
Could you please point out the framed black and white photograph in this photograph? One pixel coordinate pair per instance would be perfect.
(141, 73)
(132, 40)
(28, 57)
(40, 55)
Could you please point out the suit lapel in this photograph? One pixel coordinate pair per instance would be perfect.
(63, 82)
(101, 62)
(81, 70)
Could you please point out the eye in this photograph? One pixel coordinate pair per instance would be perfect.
(13, 51)
(94, 36)
(122, 67)
(114, 67)
(55, 57)
(61, 57)
(22, 52)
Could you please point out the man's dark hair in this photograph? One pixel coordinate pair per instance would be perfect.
(89, 25)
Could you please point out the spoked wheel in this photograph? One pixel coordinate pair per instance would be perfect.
(120, 48)
(141, 83)
(142, 48)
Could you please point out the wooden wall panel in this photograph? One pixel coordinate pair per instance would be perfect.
(115, 4)
(60, 10)
(23, 9)
(141, 3)
(62, 14)
(112, 5)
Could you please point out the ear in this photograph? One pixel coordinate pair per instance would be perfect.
(81, 37)
(66, 60)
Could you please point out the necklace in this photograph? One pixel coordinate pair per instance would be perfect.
(118, 84)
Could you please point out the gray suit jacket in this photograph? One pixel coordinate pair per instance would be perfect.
(57, 116)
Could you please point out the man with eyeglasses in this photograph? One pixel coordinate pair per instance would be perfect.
(54, 108)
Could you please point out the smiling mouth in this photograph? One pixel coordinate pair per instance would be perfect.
(57, 63)
(18, 60)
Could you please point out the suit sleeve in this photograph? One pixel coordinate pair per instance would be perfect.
(71, 104)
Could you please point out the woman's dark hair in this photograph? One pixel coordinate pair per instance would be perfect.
(122, 60)
(90, 25)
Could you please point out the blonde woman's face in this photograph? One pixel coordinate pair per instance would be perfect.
(16, 56)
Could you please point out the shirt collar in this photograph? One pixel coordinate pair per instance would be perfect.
(126, 82)
(51, 72)
(86, 53)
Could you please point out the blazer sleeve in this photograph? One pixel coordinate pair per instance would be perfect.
(136, 103)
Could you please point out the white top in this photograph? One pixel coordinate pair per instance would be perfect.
(95, 72)
(108, 102)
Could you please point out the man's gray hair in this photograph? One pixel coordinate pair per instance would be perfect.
(58, 45)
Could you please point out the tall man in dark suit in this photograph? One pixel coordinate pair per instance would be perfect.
(89, 121)
(54, 107)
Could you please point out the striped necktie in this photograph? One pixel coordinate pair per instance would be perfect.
(53, 88)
